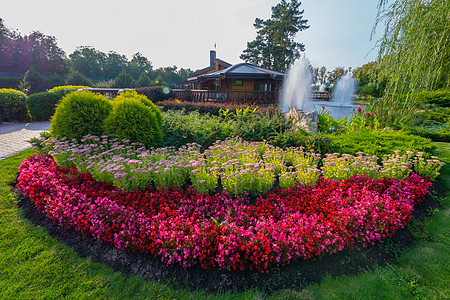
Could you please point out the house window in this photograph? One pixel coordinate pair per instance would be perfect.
(239, 82)
(262, 87)
(259, 87)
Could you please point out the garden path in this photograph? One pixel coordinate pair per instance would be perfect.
(14, 136)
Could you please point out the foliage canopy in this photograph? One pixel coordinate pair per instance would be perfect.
(274, 46)
(414, 51)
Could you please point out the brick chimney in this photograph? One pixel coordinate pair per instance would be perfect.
(212, 58)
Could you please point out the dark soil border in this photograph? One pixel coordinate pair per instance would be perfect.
(295, 275)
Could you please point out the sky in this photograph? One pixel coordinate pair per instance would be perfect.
(181, 33)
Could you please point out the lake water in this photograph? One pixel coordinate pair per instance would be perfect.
(337, 111)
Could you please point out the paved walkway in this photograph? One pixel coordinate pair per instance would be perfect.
(14, 136)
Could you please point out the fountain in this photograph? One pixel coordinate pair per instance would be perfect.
(296, 94)
(297, 85)
(343, 92)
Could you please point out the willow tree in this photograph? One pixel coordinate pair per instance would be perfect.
(414, 51)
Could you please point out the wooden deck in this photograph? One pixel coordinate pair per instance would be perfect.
(250, 97)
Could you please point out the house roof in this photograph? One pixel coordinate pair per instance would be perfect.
(209, 68)
(243, 70)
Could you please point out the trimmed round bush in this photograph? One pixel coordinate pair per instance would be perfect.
(13, 105)
(63, 90)
(144, 100)
(66, 89)
(79, 114)
(157, 93)
(42, 105)
(132, 120)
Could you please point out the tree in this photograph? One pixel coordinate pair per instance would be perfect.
(114, 63)
(4, 35)
(414, 55)
(4, 40)
(24, 86)
(76, 78)
(46, 56)
(124, 80)
(334, 75)
(274, 46)
(18, 53)
(88, 61)
(370, 82)
(184, 73)
(321, 75)
(36, 82)
(139, 64)
(414, 51)
(143, 80)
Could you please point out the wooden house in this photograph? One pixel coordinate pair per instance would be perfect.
(243, 82)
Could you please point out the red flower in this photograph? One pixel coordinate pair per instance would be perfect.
(359, 108)
(323, 107)
(150, 220)
(368, 114)
(375, 112)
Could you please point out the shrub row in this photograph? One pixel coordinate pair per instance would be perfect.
(13, 105)
(16, 106)
(42, 105)
(378, 142)
(9, 82)
(438, 97)
(209, 107)
(181, 128)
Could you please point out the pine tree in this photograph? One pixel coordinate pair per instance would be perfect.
(274, 46)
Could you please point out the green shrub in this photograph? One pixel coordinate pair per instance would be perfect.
(376, 142)
(318, 143)
(13, 105)
(370, 90)
(131, 119)
(211, 108)
(436, 115)
(435, 132)
(259, 127)
(9, 82)
(157, 93)
(144, 100)
(79, 114)
(181, 128)
(42, 105)
(438, 97)
(66, 89)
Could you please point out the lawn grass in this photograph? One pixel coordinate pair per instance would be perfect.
(35, 265)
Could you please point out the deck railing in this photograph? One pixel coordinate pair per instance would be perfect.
(250, 97)
(255, 97)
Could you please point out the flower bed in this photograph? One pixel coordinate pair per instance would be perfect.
(187, 227)
(242, 167)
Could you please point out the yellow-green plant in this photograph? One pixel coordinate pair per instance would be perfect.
(13, 105)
